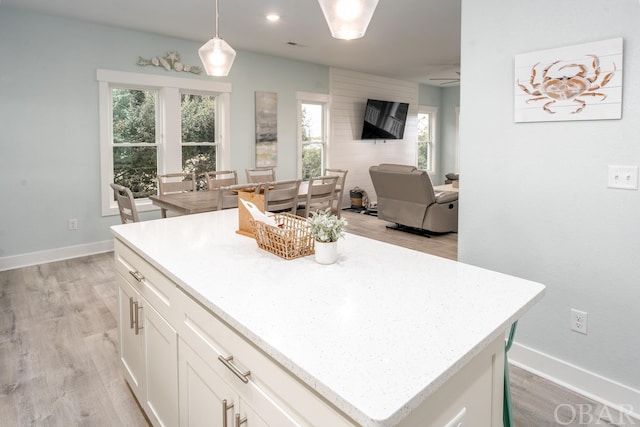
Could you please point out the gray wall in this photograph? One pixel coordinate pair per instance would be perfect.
(49, 148)
(534, 196)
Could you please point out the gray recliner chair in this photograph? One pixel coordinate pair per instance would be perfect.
(406, 197)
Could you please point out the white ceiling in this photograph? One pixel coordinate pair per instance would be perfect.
(413, 40)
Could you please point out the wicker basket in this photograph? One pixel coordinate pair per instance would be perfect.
(292, 239)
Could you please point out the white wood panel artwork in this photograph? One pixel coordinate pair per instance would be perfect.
(581, 82)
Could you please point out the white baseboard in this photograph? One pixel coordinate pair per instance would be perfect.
(59, 254)
(591, 385)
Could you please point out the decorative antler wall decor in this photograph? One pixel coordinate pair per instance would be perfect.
(170, 62)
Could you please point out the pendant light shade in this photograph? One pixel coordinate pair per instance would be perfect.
(348, 19)
(216, 54)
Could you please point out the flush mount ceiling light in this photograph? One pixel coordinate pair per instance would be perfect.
(216, 54)
(273, 17)
(348, 19)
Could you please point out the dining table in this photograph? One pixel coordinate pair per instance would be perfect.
(188, 202)
(192, 202)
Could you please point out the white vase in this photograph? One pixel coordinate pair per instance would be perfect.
(326, 252)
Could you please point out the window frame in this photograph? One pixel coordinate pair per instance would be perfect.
(433, 120)
(324, 101)
(168, 124)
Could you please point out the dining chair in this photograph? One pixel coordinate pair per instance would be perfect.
(260, 175)
(126, 203)
(281, 196)
(217, 179)
(336, 209)
(175, 183)
(320, 194)
(228, 196)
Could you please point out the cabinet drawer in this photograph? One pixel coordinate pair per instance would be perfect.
(157, 289)
(208, 335)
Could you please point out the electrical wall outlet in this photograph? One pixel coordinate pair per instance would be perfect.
(579, 321)
(72, 224)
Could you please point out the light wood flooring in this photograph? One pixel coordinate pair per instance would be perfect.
(58, 345)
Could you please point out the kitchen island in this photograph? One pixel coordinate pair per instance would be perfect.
(214, 328)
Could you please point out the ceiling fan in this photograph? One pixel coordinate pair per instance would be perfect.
(447, 80)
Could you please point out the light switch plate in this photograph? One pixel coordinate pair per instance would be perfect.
(624, 177)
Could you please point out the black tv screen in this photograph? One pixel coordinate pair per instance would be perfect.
(384, 119)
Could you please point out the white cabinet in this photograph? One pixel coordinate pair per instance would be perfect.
(205, 399)
(148, 345)
(215, 369)
(131, 348)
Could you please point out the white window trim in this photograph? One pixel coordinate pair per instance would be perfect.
(166, 129)
(433, 125)
(312, 97)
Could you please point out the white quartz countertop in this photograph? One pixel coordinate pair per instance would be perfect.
(375, 334)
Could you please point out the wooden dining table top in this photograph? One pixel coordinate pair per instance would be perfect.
(189, 202)
(192, 202)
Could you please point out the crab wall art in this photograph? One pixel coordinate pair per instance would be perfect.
(581, 82)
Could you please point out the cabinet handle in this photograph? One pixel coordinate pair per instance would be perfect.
(130, 312)
(137, 275)
(226, 361)
(225, 408)
(136, 309)
(239, 421)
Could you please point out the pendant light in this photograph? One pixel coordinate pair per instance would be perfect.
(348, 19)
(216, 54)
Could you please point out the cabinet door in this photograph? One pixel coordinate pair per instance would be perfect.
(131, 347)
(161, 362)
(202, 392)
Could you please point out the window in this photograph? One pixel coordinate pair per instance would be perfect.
(198, 135)
(312, 134)
(152, 125)
(135, 148)
(426, 138)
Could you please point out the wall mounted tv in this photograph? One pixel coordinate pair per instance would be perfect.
(384, 119)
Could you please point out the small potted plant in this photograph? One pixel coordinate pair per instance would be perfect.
(326, 230)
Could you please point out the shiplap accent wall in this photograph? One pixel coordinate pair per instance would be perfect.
(349, 93)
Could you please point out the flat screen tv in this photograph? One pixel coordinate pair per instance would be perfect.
(384, 119)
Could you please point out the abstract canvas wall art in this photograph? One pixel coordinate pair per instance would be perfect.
(266, 129)
(580, 82)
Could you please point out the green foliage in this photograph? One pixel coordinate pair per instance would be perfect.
(198, 118)
(326, 227)
(199, 159)
(311, 161)
(134, 116)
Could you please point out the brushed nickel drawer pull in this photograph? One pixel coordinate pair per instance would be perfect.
(239, 421)
(136, 309)
(130, 312)
(137, 275)
(226, 361)
(225, 408)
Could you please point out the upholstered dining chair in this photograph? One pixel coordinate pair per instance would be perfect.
(126, 203)
(175, 183)
(336, 209)
(217, 179)
(281, 196)
(320, 194)
(260, 175)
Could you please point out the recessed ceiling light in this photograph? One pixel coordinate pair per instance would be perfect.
(273, 17)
